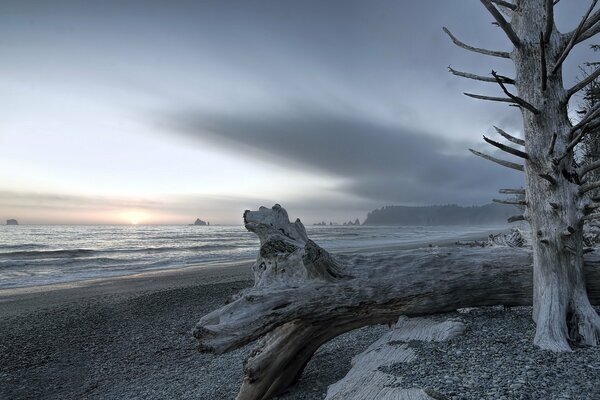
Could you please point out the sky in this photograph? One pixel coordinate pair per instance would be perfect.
(164, 111)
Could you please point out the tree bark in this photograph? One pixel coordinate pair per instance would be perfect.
(562, 310)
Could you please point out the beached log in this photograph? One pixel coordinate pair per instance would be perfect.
(366, 381)
(303, 298)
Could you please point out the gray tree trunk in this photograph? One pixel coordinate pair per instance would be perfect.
(562, 310)
(556, 202)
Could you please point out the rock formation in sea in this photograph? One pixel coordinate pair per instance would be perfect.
(11, 222)
(201, 223)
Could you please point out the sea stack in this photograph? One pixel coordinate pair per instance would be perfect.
(200, 222)
(11, 222)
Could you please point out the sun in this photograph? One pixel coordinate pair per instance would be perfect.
(134, 217)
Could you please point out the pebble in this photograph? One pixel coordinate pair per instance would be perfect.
(496, 354)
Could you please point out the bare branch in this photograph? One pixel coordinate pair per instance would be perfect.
(505, 4)
(588, 123)
(544, 75)
(591, 217)
(512, 191)
(549, 178)
(479, 77)
(507, 149)
(587, 187)
(489, 98)
(587, 168)
(509, 137)
(549, 20)
(511, 202)
(583, 83)
(589, 26)
(516, 218)
(574, 36)
(592, 206)
(593, 31)
(504, 163)
(501, 54)
(502, 23)
(552, 144)
(591, 114)
(516, 99)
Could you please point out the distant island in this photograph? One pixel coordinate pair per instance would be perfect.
(451, 214)
(199, 222)
(11, 222)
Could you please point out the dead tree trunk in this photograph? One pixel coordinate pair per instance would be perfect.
(303, 298)
(556, 201)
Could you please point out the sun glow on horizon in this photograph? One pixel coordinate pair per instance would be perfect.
(134, 217)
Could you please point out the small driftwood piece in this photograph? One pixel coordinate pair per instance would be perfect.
(303, 297)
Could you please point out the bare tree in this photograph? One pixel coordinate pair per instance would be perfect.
(556, 200)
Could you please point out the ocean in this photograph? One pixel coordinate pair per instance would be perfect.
(33, 255)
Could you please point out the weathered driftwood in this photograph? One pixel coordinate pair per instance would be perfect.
(286, 253)
(303, 298)
(365, 381)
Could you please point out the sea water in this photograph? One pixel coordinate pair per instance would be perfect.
(44, 254)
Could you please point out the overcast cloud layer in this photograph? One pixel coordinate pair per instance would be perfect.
(331, 107)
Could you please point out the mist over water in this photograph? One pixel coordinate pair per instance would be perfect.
(43, 254)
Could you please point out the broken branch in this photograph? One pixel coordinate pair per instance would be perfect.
(583, 83)
(511, 202)
(574, 36)
(502, 23)
(504, 163)
(505, 4)
(501, 54)
(509, 137)
(516, 99)
(587, 187)
(507, 149)
(587, 168)
(516, 218)
(479, 77)
(549, 21)
(512, 191)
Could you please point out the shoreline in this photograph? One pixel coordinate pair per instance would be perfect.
(130, 337)
(198, 274)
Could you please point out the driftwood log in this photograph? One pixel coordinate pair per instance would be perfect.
(303, 297)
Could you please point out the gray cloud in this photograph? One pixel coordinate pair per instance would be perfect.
(379, 162)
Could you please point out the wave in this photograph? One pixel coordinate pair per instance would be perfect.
(23, 246)
(78, 253)
(47, 253)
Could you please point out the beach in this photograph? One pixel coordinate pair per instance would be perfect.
(130, 338)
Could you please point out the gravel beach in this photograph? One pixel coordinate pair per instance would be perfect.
(136, 343)
(129, 338)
